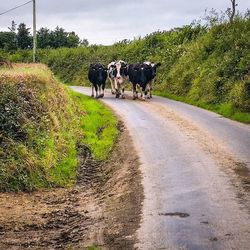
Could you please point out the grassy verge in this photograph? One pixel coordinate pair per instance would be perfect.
(224, 109)
(98, 123)
(41, 122)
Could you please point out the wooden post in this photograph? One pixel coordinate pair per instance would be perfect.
(34, 31)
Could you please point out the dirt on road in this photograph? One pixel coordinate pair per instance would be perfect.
(102, 210)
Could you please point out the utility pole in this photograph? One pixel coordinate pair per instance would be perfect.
(34, 31)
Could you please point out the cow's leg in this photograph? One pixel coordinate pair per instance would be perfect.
(151, 88)
(112, 86)
(92, 95)
(96, 91)
(123, 95)
(134, 91)
(140, 88)
(102, 93)
(117, 94)
(144, 92)
(147, 91)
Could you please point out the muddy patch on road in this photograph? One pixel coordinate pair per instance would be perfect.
(102, 210)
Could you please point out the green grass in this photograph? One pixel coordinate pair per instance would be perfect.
(99, 125)
(93, 248)
(224, 109)
(41, 122)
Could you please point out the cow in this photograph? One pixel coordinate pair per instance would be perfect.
(111, 76)
(140, 74)
(154, 68)
(97, 75)
(118, 75)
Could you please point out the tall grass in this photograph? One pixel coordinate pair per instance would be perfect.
(41, 122)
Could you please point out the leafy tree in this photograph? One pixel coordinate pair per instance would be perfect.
(59, 38)
(24, 39)
(8, 41)
(73, 40)
(84, 43)
(44, 38)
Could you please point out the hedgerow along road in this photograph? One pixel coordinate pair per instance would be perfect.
(195, 166)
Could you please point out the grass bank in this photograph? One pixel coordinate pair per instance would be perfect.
(41, 122)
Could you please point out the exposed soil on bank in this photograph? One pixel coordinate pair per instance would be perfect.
(102, 210)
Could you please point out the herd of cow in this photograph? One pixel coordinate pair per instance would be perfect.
(119, 73)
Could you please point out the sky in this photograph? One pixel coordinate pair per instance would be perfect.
(109, 21)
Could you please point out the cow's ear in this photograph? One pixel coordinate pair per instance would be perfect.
(158, 64)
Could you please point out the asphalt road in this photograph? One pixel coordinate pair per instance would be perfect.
(195, 166)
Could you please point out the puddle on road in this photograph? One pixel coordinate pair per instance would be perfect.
(177, 214)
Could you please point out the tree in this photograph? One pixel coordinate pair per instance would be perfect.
(24, 39)
(13, 27)
(59, 37)
(44, 38)
(84, 43)
(8, 40)
(232, 10)
(73, 40)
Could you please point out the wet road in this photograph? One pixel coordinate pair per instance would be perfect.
(195, 167)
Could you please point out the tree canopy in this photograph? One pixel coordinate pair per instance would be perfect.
(21, 38)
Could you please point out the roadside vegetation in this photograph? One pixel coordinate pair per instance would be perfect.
(41, 124)
(205, 64)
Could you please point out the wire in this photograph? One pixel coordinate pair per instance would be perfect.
(15, 8)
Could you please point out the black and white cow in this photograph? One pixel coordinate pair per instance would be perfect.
(154, 68)
(97, 76)
(118, 75)
(140, 74)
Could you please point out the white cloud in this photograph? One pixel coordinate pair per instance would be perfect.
(108, 21)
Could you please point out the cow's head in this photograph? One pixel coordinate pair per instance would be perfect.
(97, 66)
(145, 72)
(122, 69)
(154, 67)
(99, 69)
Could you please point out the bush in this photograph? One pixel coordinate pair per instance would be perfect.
(208, 64)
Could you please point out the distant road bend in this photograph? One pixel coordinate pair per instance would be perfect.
(195, 167)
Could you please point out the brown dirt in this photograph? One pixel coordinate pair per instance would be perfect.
(102, 210)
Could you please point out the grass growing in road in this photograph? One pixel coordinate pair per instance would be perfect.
(224, 109)
(41, 122)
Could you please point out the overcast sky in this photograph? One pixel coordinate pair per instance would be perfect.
(109, 21)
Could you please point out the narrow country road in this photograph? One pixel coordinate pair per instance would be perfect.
(195, 166)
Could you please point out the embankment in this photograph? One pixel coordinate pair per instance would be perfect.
(41, 124)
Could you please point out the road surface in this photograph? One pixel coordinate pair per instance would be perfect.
(195, 166)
